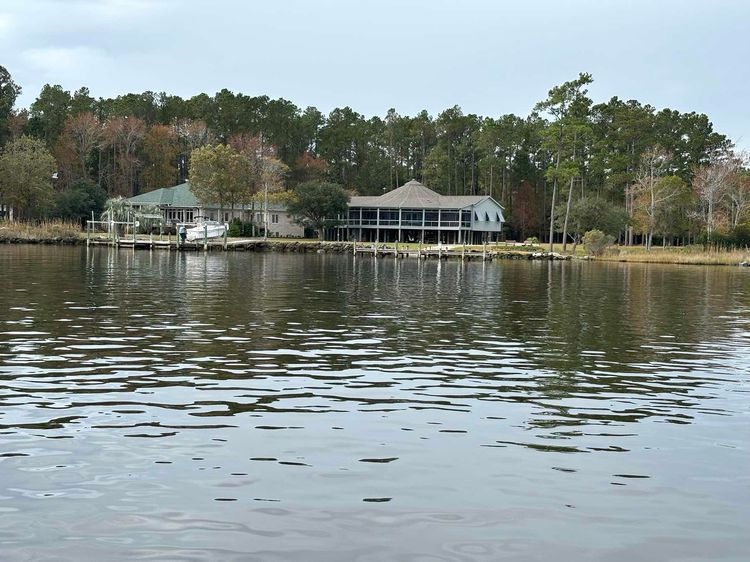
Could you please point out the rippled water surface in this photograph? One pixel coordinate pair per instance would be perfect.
(158, 406)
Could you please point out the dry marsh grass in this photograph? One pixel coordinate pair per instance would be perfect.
(45, 230)
(692, 255)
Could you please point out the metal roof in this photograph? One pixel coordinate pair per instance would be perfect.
(180, 196)
(414, 195)
(177, 196)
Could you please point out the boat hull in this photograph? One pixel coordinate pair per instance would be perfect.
(206, 231)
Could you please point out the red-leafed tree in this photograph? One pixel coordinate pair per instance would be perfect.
(122, 138)
(160, 151)
(525, 213)
(309, 168)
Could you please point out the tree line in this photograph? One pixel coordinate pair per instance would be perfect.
(636, 172)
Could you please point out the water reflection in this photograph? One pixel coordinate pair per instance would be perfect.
(156, 405)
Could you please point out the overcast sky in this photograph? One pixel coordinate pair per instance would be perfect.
(489, 57)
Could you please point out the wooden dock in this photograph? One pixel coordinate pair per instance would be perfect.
(157, 244)
(486, 252)
(431, 252)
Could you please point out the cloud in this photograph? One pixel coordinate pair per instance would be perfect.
(489, 57)
(54, 62)
(109, 9)
(6, 23)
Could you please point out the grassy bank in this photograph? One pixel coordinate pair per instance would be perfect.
(681, 255)
(53, 231)
(690, 255)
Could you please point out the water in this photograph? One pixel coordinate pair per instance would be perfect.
(158, 406)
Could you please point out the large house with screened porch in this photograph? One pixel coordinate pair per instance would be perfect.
(414, 213)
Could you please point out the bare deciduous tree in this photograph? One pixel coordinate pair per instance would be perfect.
(651, 192)
(82, 132)
(191, 134)
(738, 193)
(711, 183)
(123, 135)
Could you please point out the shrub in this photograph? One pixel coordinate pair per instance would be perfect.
(596, 242)
(235, 228)
(738, 237)
(78, 202)
(240, 229)
(741, 236)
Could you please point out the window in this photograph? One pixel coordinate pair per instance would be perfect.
(369, 216)
(388, 216)
(411, 217)
(431, 218)
(449, 218)
(275, 219)
(487, 216)
(465, 218)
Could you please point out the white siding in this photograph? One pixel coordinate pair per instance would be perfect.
(485, 210)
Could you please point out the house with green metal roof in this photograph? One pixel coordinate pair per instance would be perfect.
(178, 204)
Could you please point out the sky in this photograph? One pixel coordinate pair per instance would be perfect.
(489, 57)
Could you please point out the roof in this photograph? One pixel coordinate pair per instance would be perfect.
(181, 196)
(177, 196)
(414, 195)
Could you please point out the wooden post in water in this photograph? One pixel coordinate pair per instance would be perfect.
(354, 248)
(205, 237)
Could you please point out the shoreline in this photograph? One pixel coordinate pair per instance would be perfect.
(623, 255)
(298, 247)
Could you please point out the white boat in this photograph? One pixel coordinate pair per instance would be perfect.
(206, 229)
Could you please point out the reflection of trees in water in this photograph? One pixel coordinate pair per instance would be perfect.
(620, 332)
(618, 309)
(586, 329)
(543, 333)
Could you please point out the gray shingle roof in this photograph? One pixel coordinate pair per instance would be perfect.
(414, 195)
